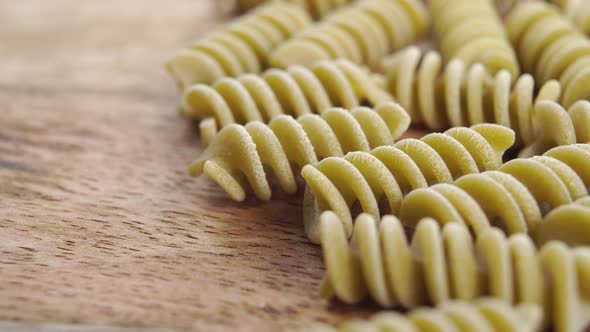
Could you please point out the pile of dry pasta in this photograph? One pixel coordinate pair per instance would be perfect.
(482, 224)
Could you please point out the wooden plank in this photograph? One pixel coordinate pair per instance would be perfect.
(99, 222)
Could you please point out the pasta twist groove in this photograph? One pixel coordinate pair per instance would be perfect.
(461, 95)
(363, 32)
(549, 46)
(569, 223)
(472, 31)
(439, 265)
(482, 315)
(578, 11)
(286, 144)
(295, 91)
(240, 47)
(378, 179)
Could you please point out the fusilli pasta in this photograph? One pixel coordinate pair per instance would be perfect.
(242, 46)
(482, 315)
(363, 32)
(295, 91)
(578, 11)
(471, 31)
(239, 152)
(439, 265)
(317, 8)
(550, 47)
(463, 95)
(386, 173)
(568, 223)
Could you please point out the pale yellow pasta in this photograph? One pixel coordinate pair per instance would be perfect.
(551, 47)
(440, 265)
(316, 8)
(515, 197)
(377, 180)
(568, 223)
(471, 31)
(460, 95)
(242, 46)
(554, 126)
(481, 315)
(295, 91)
(363, 32)
(578, 11)
(242, 155)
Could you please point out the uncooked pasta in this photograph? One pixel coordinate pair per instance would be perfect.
(285, 145)
(317, 8)
(443, 264)
(363, 32)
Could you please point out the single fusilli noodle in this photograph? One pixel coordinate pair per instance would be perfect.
(363, 32)
(241, 155)
(296, 91)
(377, 180)
(439, 265)
(461, 95)
(242, 46)
(551, 47)
(317, 8)
(472, 31)
(481, 315)
(554, 126)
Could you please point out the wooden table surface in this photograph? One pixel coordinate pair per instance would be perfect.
(99, 222)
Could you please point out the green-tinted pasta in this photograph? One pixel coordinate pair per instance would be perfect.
(295, 91)
(378, 179)
(551, 47)
(240, 47)
(462, 94)
(363, 32)
(482, 315)
(554, 126)
(440, 265)
(286, 144)
(472, 31)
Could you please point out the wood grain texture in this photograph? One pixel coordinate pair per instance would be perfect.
(99, 222)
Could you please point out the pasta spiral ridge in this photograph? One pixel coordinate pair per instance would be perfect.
(569, 224)
(578, 11)
(248, 152)
(515, 197)
(295, 91)
(462, 94)
(379, 179)
(363, 32)
(240, 47)
(550, 47)
(316, 8)
(554, 126)
(472, 31)
(481, 315)
(439, 265)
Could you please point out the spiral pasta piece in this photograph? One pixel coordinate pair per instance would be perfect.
(440, 265)
(377, 180)
(578, 11)
(242, 46)
(316, 8)
(363, 32)
(295, 91)
(241, 153)
(554, 126)
(472, 31)
(481, 315)
(550, 47)
(515, 197)
(461, 95)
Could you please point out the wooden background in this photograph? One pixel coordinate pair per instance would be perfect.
(99, 222)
